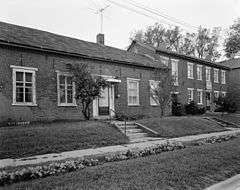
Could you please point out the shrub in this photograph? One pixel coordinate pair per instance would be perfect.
(177, 109)
(193, 109)
(225, 104)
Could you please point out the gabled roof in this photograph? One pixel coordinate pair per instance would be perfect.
(178, 55)
(24, 37)
(233, 63)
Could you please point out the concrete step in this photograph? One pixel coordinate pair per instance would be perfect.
(136, 135)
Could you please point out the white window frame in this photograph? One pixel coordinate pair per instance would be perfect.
(201, 96)
(153, 83)
(199, 72)
(137, 81)
(224, 93)
(174, 63)
(216, 92)
(190, 69)
(223, 77)
(192, 94)
(215, 75)
(31, 70)
(164, 60)
(59, 73)
(208, 69)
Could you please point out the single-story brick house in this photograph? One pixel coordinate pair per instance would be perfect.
(35, 83)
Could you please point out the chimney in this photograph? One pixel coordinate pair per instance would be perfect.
(100, 39)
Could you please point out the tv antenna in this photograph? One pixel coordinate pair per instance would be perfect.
(101, 11)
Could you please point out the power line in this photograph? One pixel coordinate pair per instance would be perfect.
(158, 13)
(139, 12)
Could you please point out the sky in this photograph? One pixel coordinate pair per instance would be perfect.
(79, 18)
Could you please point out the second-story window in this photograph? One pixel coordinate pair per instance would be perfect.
(190, 70)
(215, 76)
(175, 71)
(164, 60)
(199, 72)
(223, 77)
(208, 74)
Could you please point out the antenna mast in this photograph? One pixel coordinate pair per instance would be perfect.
(101, 16)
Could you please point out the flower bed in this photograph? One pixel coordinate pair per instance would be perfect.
(72, 165)
(28, 173)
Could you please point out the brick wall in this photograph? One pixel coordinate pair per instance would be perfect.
(46, 86)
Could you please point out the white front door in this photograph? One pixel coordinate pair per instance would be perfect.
(104, 106)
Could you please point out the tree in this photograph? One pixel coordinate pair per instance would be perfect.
(87, 87)
(162, 89)
(202, 44)
(232, 42)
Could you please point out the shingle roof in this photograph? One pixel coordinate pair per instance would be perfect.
(13, 34)
(232, 63)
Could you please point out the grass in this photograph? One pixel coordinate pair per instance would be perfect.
(171, 127)
(230, 118)
(22, 141)
(190, 168)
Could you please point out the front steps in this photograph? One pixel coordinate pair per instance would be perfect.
(134, 132)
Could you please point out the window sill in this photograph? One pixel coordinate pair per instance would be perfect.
(199, 79)
(155, 105)
(200, 104)
(190, 78)
(132, 105)
(216, 82)
(24, 104)
(67, 105)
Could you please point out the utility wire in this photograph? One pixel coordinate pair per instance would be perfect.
(158, 13)
(139, 12)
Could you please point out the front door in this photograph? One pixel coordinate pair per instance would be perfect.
(104, 106)
(103, 102)
(208, 100)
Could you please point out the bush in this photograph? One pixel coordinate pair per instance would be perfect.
(177, 109)
(193, 109)
(225, 104)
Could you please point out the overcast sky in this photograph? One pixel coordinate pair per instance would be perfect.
(78, 18)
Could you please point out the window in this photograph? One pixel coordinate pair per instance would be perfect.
(215, 75)
(224, 94)
(199, 96)
(24, 85)
(190, 70)
(153, 97)
(199, 72)
(190, 94)
(175, 71)
(223, 77)
(216, 94)
(164, 60)
(133, 91)
(66, 89)
(208, 74)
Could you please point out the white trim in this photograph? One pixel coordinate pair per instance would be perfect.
(190, 65)
(74, 104)
(23, 68)
(133, 80)
(14, 86)
(200, 67)
(216, 80)
(108, 78)
(201, 97)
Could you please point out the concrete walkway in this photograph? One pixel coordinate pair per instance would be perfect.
(232, 183)
(104, 150)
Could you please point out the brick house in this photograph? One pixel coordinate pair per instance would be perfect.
(35, 83)
(234, 78)
(196, 79)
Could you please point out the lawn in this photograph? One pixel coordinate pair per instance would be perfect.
(170, 127)
(22, 141)
(230, 118)
(190, 168)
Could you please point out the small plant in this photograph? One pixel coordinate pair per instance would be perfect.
(193, 109)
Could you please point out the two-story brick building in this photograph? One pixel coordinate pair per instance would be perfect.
(196, 79)
(234, 78)
(35, 83)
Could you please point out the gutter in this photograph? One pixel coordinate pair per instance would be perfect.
(46, 50)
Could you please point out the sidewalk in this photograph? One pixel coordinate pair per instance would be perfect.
(103, 150)
(232, 183)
